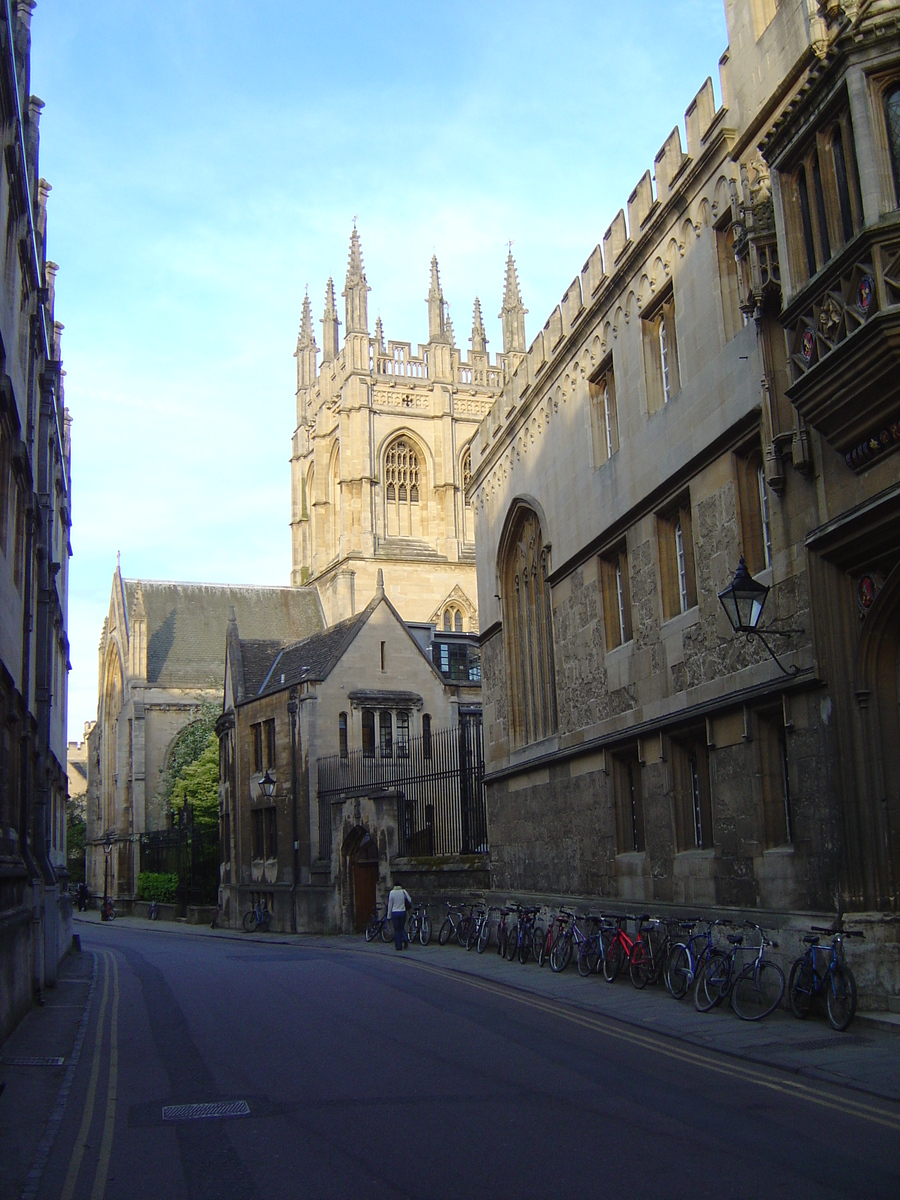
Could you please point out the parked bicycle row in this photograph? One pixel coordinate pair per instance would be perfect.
(714, 960)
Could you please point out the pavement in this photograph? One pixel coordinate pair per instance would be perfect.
(38, 1060)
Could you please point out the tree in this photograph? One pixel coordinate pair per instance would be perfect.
(75, 831)
(197, 783)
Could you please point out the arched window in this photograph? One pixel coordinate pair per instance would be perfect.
(468, 510)
(467, 477)
(527, 631)
(401, 489)
(892, 118)
(453, 619)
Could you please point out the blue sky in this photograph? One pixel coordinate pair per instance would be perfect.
(207, 160)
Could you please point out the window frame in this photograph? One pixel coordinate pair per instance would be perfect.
(692, 792)
(615, 583)
(660, 337)
(628, 802)
(604, 413)
(677, 567)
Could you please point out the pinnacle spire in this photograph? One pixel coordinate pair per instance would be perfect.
(329, 325)
(513, 312)
(355, 290)
(478, 338)
(437, 331)
(379, 333)
(305, 337)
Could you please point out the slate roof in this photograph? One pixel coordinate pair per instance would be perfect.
(187, 623)
(314, 657)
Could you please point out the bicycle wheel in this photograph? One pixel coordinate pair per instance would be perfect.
(372, 928)
(425, 929)
(249, 921)
(525, 946)
(639, 964)
(561, 954)
(712, 981)
(412, 927)
(614, 960)
(387, 930)
(502, 934)
(484, 936)
(111, 913)
(802, 987)
(678, 971)
(757, 990)
(840, 997)
(471, 935)
(538, 936)
(587, 958)
(512, 944)
(446, 932)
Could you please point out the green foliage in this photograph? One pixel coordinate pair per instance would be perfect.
(189, 745)
(75, 834)
(198, 784)
(159, 886)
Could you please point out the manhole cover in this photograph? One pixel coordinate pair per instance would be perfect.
(32, 1062)
(197, 1112)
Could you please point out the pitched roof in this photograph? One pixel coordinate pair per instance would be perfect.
(314, 657)
(187, 623)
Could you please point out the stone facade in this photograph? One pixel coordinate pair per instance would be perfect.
(371, 662)
(160, 661)
(719, 380)
(381, 453)
(35, 518)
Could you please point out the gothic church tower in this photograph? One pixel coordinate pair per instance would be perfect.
(380, 455)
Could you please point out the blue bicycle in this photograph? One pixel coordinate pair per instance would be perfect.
(821, 970)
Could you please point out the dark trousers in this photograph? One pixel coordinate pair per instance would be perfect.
(399, 919)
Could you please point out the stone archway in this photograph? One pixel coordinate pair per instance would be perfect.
(360, 851)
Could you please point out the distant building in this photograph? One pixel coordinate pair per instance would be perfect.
(160, 661)
(35, 518)
(355, 730)
(381, 453)
(661, 426)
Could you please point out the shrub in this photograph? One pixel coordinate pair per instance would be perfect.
(160, 886)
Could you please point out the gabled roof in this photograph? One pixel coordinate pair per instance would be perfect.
(314, 657)
(187, 624)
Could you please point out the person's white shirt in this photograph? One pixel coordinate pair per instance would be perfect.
(397, 900)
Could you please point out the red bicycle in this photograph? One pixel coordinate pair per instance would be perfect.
(622, 947)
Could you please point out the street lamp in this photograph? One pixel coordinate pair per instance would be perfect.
(107, 850)
(743, 601)
(267, 785)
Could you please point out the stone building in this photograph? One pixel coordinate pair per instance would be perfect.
(160, 662)
(359, 700)
(35, 516)
(719, 380)
(381, 453)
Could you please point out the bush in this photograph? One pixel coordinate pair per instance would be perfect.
(160, 886)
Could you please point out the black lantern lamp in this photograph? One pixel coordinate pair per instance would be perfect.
(743, 601)
(267, 785)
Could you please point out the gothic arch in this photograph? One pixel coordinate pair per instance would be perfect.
(525, 598)
(404, 485)
(704, 215)
(112, 699)
(722, 198)
(334, 499)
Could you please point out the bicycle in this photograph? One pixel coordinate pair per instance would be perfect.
(375, 925)
(107, 909)
(520, 939)
(620, 947)
(451, 924)
(756, 990)
(483, 938)
(648, 953)
(503, 931)
(418, 925)
(571, 937)
(257, 917)
(687, 957)
(592, 951)
(835, 982)
(472, 927)
(554, 932)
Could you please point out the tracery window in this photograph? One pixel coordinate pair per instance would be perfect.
(528, 632)
(453, 619)
(467, 477)
(401, 489)
(892, 119)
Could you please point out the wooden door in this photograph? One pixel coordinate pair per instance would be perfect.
(365, 879)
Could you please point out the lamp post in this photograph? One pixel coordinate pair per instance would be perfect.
(267, 785)
(107, 850)
(293, 707)
(743, 601)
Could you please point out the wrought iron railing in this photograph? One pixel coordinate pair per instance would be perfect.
(438, 783)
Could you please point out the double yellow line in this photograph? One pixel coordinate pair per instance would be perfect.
(110, 982)
(659, 1044)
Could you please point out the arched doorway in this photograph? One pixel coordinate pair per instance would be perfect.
(361, 851)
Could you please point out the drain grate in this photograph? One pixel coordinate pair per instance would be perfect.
(32, 1062)
(197, 1112)
(836, 1041)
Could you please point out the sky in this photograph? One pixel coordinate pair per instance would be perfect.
(207, 160)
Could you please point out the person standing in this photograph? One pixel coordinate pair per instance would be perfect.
(399, 902)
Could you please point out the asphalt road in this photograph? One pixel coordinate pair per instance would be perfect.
(383, 1077)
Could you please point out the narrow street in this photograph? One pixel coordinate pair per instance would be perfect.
(353, 1071)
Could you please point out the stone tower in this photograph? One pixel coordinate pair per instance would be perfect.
(380, 455)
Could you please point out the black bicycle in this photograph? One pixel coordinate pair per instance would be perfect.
(375, 925)
(755, 990)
